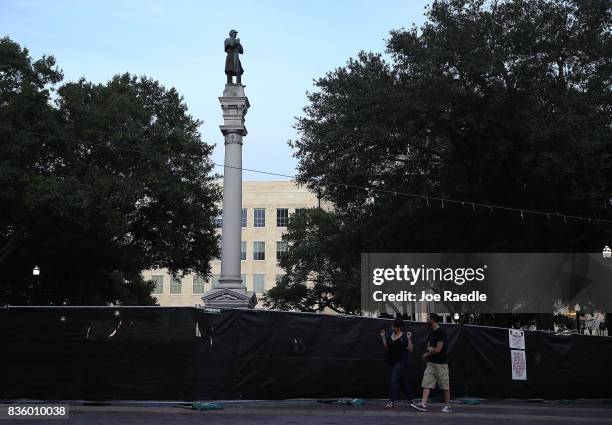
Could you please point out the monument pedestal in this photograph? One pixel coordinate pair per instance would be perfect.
(231, 292)
(223, 297)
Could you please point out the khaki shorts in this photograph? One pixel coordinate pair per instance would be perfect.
(435, 372)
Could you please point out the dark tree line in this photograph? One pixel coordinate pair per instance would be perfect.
(97, 183)
(504, 102)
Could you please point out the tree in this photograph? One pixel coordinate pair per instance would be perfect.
(503, 103)
(322, 266)
(97, 183)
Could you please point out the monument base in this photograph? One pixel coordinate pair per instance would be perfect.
(224, 297)
(234, 90)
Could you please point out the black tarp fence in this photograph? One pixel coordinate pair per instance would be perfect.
(162, 353)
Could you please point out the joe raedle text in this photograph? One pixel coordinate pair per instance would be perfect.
(446, 296)
(418, 277)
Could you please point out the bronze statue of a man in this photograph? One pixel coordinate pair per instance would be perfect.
(234, 49)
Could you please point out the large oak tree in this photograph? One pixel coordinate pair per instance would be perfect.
(97, 183)
(506, 103)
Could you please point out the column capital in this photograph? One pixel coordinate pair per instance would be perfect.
(228, 130)
(232, 137)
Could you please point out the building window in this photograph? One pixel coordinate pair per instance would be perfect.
(243, 250)
(300, 210)
(198, 284)
(279, 277)
(259, 217)
(175, 285)
(214, 280)
(281, 249)
(282, 217)
(259, 283)
(159, 284)
(259, 250)
(218, 220)
(244, 217)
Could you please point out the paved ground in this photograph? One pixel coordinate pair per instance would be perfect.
(311, 413)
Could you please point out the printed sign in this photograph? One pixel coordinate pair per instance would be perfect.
(519, 365)
(516, 339)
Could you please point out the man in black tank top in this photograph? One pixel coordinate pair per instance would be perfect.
(397, 345)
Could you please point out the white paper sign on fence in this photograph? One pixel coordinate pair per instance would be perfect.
(519, 365)
(516, 339)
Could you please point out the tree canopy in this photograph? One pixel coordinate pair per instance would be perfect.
(321, 271)
(502, 103)
(98, 182)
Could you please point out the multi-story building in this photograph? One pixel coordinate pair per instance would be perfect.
(266, 207)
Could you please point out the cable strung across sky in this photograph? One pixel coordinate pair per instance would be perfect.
(426, 198)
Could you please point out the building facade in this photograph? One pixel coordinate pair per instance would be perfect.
(266, 208)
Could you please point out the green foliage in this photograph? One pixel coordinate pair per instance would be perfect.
(504, 103)
(97, 183)
(563, 322)
(322, 268)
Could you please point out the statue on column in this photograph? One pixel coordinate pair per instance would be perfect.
(234, 49)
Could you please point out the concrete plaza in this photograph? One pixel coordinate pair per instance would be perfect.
(311, 412)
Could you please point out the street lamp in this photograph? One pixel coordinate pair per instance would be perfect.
(36, 271)
(577, 309)
(456, 317)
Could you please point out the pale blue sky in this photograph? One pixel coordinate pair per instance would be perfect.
(180, 43)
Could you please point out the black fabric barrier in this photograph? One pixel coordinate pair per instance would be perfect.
(558, 366)
(132, 353)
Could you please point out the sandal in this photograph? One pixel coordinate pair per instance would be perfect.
(389, 405)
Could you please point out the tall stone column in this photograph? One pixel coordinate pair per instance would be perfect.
(231, 291)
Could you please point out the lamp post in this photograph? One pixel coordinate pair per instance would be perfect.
(36, 271)
(577, 310)
(456, 317)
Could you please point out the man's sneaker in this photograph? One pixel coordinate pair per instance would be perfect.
(446, 409)
(420, 407)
